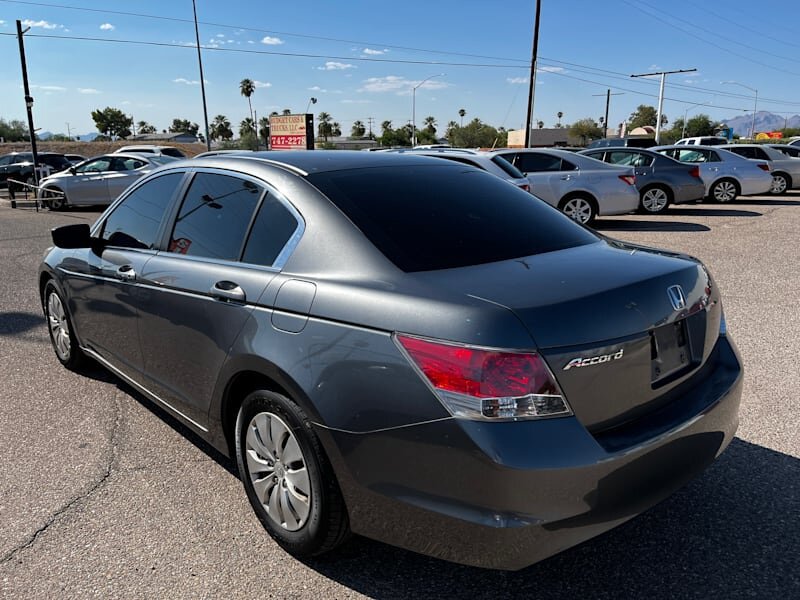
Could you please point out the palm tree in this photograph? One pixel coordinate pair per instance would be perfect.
(430, 125)
(246, 127)
(386, 126)
(540, 124)
(287, 111)
(145, 127)
(358, 130)
(263, 129)
(462, 113)
(220, 128)
(324, 127)
(246, 88)
(559, 114)
(336, 129)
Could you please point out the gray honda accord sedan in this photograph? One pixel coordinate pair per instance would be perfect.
(403, 348)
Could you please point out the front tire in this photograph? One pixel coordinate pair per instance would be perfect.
(724, 190)
(287, 477)
(54, 199)
(579, 208)
(59, 325)
(654, 200)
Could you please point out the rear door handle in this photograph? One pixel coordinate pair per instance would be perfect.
(126, 273)
(566, 177)
(228, 290)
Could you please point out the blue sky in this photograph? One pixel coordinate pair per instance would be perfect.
(361, 58)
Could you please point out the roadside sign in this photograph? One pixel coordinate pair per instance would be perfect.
(291, 132)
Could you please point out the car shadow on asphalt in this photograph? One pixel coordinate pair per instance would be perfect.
(620, 225)
(731, 533)
(14, 323)
(712, 212)
(775, 202)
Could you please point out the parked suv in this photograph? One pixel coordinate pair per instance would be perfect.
(19, 167)
(709, 140)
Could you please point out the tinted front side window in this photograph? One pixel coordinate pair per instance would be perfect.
(101, 164)
(535, 162)
(425, 218)
(215, 216)
(135, 222)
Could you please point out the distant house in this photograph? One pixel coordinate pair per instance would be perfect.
(347, 143)
(175, 138)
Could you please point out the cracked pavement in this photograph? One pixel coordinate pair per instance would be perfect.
(104, 495)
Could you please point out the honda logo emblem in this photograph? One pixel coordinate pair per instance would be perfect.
(676, 297)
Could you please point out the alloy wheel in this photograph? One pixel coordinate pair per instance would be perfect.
(655, 200)
(59, 327)
(779, 184)
(578, 209)
(724, 191)
(277, 469)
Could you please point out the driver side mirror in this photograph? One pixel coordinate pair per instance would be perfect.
(72, 236)
(73, 170)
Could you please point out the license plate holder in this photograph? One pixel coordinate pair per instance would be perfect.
(670, 350)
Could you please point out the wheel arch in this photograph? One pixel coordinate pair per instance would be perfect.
(661, 185)
(586, 195)
(787, 176)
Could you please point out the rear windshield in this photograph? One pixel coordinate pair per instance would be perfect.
(432, 217)
(508, 167)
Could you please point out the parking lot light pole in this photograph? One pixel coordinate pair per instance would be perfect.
(28, 105)
(202, 80)
(755, 106)
(414, 108)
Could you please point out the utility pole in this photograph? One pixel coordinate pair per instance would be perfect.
(133, 124)
(608, 95)
(370, 120)
(28, 106)
(69, 133)
(532, 79)
(202, 79)
(661, 94)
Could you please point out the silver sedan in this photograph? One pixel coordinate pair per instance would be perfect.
(98, 180)
(579, 186)
(661, 180)
(785, 169)
(725, 174)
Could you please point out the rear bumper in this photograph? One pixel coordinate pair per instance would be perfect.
(619, 201)
(506, 495)
(756, 185)
(689, 193)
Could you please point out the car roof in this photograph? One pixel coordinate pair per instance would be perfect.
(306, 162)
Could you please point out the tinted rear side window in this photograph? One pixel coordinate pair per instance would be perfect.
(273, 227)
(425, 218)
(508, 167)
(215, 216)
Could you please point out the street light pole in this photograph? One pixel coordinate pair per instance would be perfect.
(414, 108)
(686, 114)
(28, 104)
(755, 106)
(202, 79)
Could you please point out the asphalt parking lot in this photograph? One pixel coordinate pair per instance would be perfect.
(104, 495)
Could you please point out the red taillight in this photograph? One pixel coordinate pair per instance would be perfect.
(629, 179)
(695, 172)
(763, 166)
(525, 186)
(485, 383)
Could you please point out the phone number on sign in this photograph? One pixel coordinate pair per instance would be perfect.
(288, 141)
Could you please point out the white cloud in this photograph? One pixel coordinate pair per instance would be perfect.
(271, 41)
(373, 52)
(316, 88)
(220, 35)
(549, 69)
(107, 27)
(517, 80)
(399, 85)
(188, 81)
(88, 91)
(347, 101)
(49, 88)
(250, 42)
(261, 84)
(336, 66)
(125, 103)
(42, 24)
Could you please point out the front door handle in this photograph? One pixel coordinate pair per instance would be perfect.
(566, 177)
(126, 273)
(228, 290)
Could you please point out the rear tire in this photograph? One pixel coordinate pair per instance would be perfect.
(579, 208)
(287, 476)
(780, 184)
(724, 190)
(654, 200)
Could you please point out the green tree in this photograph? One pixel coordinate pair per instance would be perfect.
(559, 114)
(143, 127)
(336, 129)
(358, 130)
(586, 129)
(645, 115)
(184, 126)
(13, 130)
(475, 134)
(246, 88)
(462, 113)
(394, 137)
(286, 111)
(112, 122)
(246, 126)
